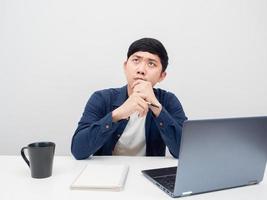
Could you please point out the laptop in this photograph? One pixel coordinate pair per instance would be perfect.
(216, 154)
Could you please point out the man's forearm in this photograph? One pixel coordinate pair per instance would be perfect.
(171, 130)
(116, 115)
(87, 141)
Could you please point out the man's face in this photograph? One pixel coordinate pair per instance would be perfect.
(145, 66)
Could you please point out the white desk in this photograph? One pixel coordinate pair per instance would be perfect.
(16, 182)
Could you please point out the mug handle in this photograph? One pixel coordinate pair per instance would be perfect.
(23, 155)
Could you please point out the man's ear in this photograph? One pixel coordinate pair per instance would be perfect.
(124, 65)
(162, 76)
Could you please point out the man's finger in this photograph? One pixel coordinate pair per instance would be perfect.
(135, 83)
(141, 95)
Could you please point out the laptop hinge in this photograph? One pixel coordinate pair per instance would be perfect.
(187, 193)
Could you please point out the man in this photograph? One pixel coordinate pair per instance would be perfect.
(136, 119)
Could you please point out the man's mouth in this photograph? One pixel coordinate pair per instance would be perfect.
(139, 79)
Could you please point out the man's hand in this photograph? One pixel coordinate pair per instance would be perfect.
(145, 89)
(135, 103)
(139, 101)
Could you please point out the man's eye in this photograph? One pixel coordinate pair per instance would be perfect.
(135, 60)
(151, 64)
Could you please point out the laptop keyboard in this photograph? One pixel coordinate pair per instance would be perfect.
(168, 181)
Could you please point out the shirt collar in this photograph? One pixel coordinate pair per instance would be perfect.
(120, 96)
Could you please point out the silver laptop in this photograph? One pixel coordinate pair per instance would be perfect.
(216, 154)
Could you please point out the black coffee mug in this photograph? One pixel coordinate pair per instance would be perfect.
(41, 155)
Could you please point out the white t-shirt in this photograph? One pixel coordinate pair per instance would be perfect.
(133, 140)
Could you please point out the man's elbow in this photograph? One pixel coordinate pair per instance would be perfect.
(78, 151)
(78, 155)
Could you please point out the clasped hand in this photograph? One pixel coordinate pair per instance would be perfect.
(138, 101)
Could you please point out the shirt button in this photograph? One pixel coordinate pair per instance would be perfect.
(161, 124)
(107, 126)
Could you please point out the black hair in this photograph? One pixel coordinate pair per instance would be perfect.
(150, 45)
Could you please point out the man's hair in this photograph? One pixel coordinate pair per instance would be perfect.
(152, 46)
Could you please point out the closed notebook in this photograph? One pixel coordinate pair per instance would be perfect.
(101, 177)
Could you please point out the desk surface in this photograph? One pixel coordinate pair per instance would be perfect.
(16, 182)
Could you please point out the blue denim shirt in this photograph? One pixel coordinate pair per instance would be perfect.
(97, 134)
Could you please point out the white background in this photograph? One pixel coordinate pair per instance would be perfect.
(55, 53)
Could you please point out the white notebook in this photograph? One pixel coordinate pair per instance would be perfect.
(101, 177)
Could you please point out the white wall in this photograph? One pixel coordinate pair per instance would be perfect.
(54, 54)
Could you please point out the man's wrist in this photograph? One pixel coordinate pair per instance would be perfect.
(116, 115)
(156, 110)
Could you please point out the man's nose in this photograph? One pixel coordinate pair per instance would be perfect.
(141, 69)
